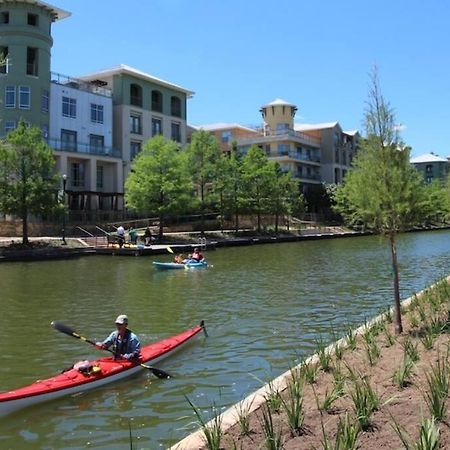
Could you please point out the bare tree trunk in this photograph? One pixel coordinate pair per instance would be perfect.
(398, 315)
(25, 229)
(222, 209)
(24, 219)
(202, 217)
(161, 226)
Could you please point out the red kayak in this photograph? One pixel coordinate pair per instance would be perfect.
(96, 373)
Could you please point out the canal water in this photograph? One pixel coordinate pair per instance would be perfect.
(264, 307)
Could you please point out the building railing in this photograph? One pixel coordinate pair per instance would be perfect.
(299, 156)
(76, 147)
(81, 85)
(305, 176)
(289, 133)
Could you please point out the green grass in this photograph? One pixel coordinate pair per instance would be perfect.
(403, 374)
(212, 432)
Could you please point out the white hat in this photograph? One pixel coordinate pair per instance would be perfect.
(122, 319)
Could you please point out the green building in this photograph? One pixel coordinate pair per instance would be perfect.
(25, 43)
(431, 166)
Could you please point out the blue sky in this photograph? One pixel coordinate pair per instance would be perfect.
(240, 54)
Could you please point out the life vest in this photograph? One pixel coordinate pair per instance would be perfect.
(121, 346)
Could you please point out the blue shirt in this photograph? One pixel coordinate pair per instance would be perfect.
(128, 348)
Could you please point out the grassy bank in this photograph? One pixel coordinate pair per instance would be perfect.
(370, 390)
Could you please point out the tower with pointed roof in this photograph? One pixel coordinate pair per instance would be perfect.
(278, 116)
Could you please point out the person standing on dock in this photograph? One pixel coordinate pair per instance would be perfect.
(125, 342)
(121, 235)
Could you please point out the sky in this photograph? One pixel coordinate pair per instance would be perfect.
(237, 55)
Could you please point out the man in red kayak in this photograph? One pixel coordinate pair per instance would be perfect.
(125, 342)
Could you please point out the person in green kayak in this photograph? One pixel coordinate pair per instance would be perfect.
(125, 342)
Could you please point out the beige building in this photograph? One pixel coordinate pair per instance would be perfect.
(313, 154)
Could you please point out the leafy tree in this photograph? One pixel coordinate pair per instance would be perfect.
(159, 180)
(236, 197)
(437, 202)
(27, 175)
(256, 173)
(382, 192)
(203, 153)
(284, 194)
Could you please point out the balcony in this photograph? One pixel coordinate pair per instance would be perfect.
(297, 157)
(93, 88)
(277, 135)
(75, 147)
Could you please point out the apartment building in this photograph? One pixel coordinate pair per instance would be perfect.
(81, 136)
(337, 148)
(25, 30)
(97, 123)
(143, 106)
(431, 166)
(313, 154)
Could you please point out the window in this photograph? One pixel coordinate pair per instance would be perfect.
(156, 126)
(33, 19)
(336, 176)
(99, 177)
(24, 97)
(44, 101)
(77, 174)
(10, 97)
(96, 143)
(176, 132)
(226, 136)
(9, 126)
(4, 17)
(69, 140)
(135, 148)
(69, 107)
(429, 168)
(44, 132)
(336, 155)
(283, 149)
(4, 52)
(96, 113)
(157, 101)
(32, 61)
(281, 127)
(135, 95)
(175, 106)
(135, 124)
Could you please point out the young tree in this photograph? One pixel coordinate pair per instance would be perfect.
(203, 153)
(382, 192)
(28, 183)
(159, 180)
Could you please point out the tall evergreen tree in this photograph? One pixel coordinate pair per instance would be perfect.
(28, 183)
(382, 192)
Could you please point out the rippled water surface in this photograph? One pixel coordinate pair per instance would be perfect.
(264, 307)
